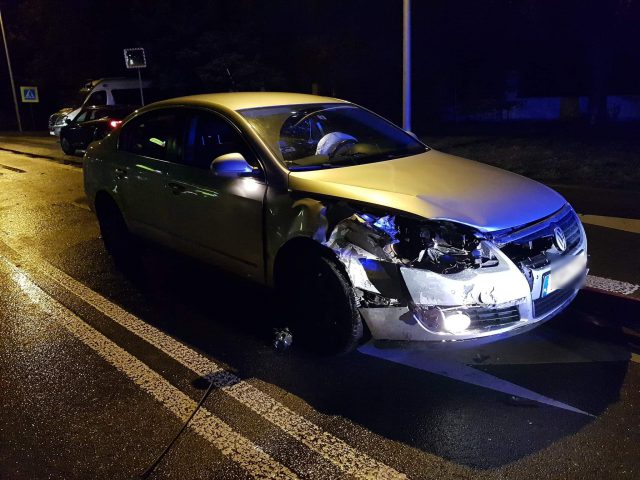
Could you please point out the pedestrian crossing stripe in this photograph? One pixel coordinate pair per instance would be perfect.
(29, 94)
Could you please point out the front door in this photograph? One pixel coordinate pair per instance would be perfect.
(216, 217)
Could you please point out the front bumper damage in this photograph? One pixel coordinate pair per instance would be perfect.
(405, 303)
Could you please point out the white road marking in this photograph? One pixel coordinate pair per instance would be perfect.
(431, 362)
(230, 443)
(346, 458)
(618, 223)
(609, 285)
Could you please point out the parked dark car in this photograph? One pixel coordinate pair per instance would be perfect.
(92, 123)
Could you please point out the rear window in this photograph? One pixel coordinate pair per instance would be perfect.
(152, 135)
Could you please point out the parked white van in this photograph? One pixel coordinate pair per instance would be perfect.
(104, 91)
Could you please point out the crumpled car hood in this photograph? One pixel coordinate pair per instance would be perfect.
(436, 185)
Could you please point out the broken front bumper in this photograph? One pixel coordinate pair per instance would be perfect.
(490, 303)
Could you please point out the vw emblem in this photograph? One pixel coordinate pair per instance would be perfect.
(559, 239)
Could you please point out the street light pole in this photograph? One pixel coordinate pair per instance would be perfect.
(13, 86)
(406, 65)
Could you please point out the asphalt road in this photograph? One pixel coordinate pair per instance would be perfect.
(100, 369)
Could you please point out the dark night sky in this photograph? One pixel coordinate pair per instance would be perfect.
(352, 49)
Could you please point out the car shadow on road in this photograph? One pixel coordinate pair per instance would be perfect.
(232, 320)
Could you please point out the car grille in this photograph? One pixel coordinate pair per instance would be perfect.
(570, 225)
(544, 305)
(532, 246)
(566, 219)
(490, 317)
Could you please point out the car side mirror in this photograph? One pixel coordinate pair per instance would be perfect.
(232, 165)
(67, 120)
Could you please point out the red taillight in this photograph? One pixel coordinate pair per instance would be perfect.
(114, 123)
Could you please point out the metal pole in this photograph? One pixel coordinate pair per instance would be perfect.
(13, 86)
(140, 84)
(406, 65)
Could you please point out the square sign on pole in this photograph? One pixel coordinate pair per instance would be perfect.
(136, 59)
(29, 94)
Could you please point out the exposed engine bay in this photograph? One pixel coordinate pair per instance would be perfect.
(443, 247)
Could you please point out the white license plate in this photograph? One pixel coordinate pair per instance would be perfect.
(560, 277)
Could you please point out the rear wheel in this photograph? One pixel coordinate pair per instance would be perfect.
(321, 306)
(66, 146)
(117, 239)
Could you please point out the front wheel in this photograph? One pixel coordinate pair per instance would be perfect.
(321, 307)
(66, 146)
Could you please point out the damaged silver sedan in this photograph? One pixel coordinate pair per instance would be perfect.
(362, 229)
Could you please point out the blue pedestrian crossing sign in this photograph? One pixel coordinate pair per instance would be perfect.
(29, 94)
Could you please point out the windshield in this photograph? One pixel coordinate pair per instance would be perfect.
(308, 137)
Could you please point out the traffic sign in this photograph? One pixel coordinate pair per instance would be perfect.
(135, 58)
(29, 94)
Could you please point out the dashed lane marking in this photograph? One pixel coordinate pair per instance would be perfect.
(346, 458)
(230, 443)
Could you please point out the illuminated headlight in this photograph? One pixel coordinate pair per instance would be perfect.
(456, 322)
(439, 320)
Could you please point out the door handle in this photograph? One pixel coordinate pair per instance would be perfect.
(120, 173)
(176, 188)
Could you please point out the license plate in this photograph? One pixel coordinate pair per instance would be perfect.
(556, 279)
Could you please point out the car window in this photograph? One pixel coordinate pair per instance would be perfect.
(152, 135)
(207, 136)
(82, 116)
(96, 113)
(97, 98)
(108, 112)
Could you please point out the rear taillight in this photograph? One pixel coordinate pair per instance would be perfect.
(114, 123)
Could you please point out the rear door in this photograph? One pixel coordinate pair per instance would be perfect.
(148, 148)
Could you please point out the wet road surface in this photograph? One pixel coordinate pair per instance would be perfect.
(99, 369)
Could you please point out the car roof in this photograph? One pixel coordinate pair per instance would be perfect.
(241, 100)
